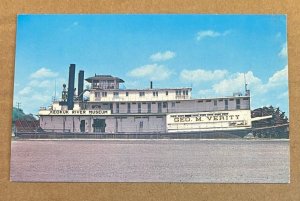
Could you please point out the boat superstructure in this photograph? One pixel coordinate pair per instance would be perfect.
(110, 108)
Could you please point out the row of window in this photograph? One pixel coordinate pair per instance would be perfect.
(184, 92)
(149, 106)
(142, 93)
(161, 105)
(221, 100)
(104, 85)
(237, 101)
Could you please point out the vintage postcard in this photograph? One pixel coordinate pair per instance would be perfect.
(151, 98)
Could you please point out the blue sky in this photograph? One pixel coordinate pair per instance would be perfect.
(211, 53)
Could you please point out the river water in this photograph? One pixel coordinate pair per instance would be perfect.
(196, 160)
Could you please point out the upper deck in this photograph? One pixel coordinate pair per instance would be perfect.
(105, 94)
(127, 95)
(106, 88)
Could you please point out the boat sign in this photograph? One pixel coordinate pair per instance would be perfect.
(73, 112)
(217, 120)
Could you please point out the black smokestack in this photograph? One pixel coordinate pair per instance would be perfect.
(151, 85)
(80, 85)
(70, 100)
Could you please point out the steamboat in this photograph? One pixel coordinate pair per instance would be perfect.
(110, 111)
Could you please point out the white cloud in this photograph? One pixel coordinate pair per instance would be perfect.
(46, 84)
(132, 84)
(210, 34)
(43, 73)
(41, 98)
(162, 56)
(41, 83)
(25, 91)
(37, 93)
(33, 83)
(200, 75)
(236, 83)
(272, 92)
(152, 72)
(283, 95)
(283, 51)
(279, 78)
(204, 93)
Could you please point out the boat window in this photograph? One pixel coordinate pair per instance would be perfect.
(128, 107)
(141, 124)
(238, 104)
(178, 92)
(117, 107)
(159, 107)
(165, 104)
(149, 107)
(155, 93)
(116, 94)
(111, 107)
(226, 104)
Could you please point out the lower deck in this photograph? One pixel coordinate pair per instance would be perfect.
(104, 124)
(140, 123)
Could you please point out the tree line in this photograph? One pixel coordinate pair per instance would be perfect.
(275, 127)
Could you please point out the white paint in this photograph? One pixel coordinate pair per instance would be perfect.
(209, 121)
(134, 95)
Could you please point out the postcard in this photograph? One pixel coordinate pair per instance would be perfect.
(187, 98)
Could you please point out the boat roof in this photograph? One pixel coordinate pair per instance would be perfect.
(104, 77)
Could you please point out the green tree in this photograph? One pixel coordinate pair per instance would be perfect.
(18, 114)
(276, 127)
